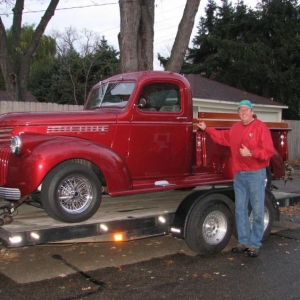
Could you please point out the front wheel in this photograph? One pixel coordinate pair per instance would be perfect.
(209, 227)
(71, 193)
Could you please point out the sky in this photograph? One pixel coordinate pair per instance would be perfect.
(102, 17)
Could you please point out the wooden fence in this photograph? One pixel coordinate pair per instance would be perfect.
(294, 139)
(13, 106)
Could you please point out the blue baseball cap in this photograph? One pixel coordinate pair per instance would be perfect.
(246, 103)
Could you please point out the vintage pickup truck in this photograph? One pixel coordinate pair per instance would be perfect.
(136, 134)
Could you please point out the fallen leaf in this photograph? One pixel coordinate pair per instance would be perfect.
(206, 276)
(169, 262)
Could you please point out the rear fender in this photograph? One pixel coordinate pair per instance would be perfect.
(277, 165)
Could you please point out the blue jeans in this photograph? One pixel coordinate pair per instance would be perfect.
(249, 186)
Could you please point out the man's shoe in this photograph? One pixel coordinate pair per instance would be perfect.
(239, 249)
(253, 252)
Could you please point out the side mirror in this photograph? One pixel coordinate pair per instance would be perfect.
(142, 103)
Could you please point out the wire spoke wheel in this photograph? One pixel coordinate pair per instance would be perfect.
(75, 193)
(71, 193)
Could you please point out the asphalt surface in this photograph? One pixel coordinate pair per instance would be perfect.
(157, 268)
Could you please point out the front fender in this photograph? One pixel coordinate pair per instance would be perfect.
(28, 170)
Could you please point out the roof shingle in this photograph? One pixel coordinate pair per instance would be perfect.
(205, 88)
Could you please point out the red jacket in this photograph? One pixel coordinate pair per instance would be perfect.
(255, 136)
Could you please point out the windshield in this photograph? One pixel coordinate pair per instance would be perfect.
(110, 94)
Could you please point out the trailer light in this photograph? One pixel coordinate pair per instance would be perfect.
(103, 227)
(15, 239)
(118, 237)
(35, 235)
(175, 230)
(162, 219)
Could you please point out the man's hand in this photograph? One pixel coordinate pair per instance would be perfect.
(244, 151)
(201, 125)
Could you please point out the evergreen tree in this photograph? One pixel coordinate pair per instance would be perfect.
(257, 51)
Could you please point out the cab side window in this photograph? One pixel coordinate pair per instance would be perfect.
(161, 97)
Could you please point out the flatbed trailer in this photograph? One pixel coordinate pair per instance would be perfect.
(119, 219)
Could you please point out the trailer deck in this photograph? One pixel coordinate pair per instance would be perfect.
(119, 218)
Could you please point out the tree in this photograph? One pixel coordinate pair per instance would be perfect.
(136, 36)
(15, 58)
(82, 59)
(183, 35)
(257, 51)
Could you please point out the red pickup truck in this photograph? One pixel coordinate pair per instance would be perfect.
(136, 134)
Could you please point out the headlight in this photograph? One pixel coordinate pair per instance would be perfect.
(15, 145)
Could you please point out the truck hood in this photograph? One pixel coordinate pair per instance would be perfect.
(57, 118)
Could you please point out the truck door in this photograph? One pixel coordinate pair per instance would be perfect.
(160, 135)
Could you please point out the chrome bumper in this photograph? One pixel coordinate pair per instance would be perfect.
(9, 193)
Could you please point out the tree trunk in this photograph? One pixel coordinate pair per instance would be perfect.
(15, 62)
(183, 36)
(146, 36)
(137, 34)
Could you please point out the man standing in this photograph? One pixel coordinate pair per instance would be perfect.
(251, 147)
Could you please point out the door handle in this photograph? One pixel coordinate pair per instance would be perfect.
(181, 118)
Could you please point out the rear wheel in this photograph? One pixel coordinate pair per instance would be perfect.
(71, 193)
(269, 217)
(209, 227)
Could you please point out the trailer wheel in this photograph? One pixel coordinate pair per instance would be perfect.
(71, 193)
(269, 217)
(209, 227)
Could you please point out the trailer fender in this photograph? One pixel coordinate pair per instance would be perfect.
(185, 208)
(271, 198)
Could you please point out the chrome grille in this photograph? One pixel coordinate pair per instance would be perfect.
(10, 194)
(4, 156)
(54, 129)
(5, 135)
